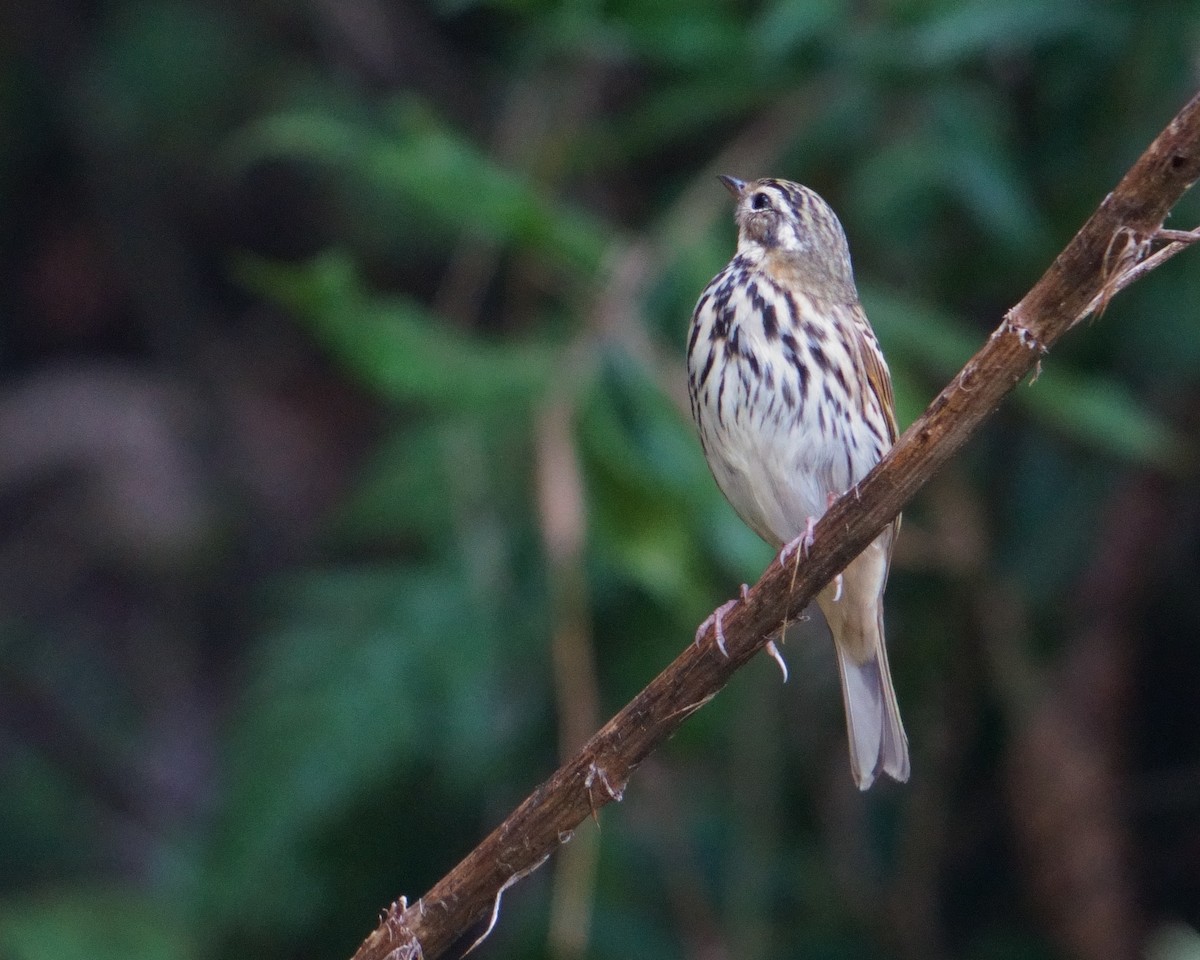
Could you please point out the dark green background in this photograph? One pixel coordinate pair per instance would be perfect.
(297, 297)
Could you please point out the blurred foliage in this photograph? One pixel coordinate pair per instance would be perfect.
(290, 292)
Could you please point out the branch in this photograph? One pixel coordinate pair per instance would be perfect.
(1109, 251)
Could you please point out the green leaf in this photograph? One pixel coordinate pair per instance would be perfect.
(164, 75)
(402, 489)
(1102, 413)
(969, 30)
(682, 35)
(93, 925)
(394, 345)
(784, 25)
(413, 158)
(956, 154)
(368, 672)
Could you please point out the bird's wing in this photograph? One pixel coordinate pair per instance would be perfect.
(875, 370)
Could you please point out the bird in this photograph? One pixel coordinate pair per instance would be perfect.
(793, 402)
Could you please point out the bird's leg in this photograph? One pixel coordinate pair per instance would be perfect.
(805, 542)
(714, 620)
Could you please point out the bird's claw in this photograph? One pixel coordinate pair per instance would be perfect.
(803, 542)
(714, 620)
(774, 654)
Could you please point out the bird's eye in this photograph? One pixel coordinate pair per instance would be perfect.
(760, 201)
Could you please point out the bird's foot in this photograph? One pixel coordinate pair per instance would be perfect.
(714, 620)
(803, 542)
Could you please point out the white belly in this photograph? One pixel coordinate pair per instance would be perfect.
(778, 474)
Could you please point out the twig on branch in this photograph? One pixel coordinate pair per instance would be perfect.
(1109, 252)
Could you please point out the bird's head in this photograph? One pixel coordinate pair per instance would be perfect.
(790, 219)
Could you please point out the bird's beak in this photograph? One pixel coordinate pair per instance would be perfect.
(733, 185)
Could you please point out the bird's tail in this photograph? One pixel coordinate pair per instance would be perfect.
(876, 734)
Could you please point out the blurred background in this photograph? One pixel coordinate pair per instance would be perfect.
(347, 481)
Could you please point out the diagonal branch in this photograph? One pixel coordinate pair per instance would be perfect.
(1109, 251)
